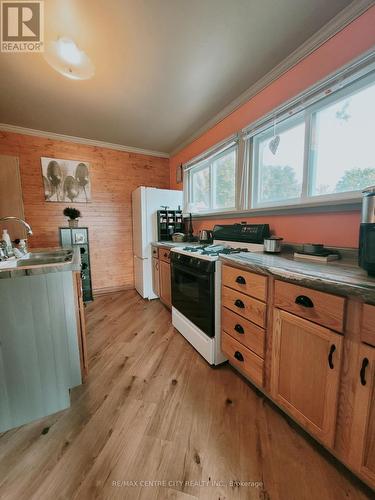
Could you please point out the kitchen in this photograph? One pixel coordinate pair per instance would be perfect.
(188, 309)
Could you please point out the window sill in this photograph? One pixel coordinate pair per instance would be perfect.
(346, 205)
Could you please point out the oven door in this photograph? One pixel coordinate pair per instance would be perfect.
(193, 293)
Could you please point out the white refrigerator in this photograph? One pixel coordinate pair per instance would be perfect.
(145, 204)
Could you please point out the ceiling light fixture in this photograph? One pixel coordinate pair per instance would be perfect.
(65, 57)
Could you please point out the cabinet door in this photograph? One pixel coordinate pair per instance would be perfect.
(363, 429)
(368, 325)
(165, 282)
(11, 196)
(81, 327)
(306, 361)
(155, 276)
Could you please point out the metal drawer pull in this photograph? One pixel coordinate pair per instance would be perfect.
(238, 356)
(241, 280)
(165, 255)
(304, 301)
(239, 303)
(362, 373)
(239, 329)
(330, 355)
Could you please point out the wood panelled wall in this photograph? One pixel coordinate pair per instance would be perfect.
(114, 175)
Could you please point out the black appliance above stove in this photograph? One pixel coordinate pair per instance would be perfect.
(249, 233)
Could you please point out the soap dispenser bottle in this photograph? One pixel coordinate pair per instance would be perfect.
(5, 237)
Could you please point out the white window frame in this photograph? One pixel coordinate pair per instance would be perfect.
(308, 116)
(201, 165)
(344, 81)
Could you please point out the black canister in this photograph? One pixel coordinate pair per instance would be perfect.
(366, 256)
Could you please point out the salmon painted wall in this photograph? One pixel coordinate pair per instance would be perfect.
(341, 228)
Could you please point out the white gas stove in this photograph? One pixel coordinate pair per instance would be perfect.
(196, 285)
(213, 252)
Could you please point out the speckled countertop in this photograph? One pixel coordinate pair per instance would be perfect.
(14, 272)
(343, 277)
(171, 244)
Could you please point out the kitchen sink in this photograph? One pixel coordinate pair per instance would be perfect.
(45, 257)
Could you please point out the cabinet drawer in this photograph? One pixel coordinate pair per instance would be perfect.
(241, 357)
(155, 252)
(368, 325)
(319, 307)
(245, 332)
(249, 308)
(251, 284)
(164, 254)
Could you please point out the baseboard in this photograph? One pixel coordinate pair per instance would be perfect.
(111, 289)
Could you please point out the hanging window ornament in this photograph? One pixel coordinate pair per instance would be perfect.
(275, 141)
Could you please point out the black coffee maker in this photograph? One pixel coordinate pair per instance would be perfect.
(367, 232)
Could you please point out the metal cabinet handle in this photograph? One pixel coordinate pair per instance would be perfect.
(239, 328)
(239, 303)
(241, 280)
(330, 356)
(362, 373)
(238, 356)
(303, 300)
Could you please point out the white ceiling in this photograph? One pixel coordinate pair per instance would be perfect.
(163, 67)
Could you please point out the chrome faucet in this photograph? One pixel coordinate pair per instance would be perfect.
(27, 226)
(5, 252)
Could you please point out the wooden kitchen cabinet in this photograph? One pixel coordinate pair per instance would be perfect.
(320, 307)
(11, 196)
(252, 309)
(368, 324)
(155, 276)
(244, 331)
(164, 254)
(243, 358)
(362, 447)
(81, 326)
(312, 353)
(165, 283)
(246, 282)
(306, 361)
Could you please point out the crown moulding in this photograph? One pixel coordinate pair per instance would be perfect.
(4, 127)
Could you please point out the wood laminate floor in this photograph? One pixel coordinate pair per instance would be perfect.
(153, 410)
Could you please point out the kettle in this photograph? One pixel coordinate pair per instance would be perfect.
(272, 244)
(205, 236)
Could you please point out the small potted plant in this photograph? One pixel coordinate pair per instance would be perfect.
(73, 215)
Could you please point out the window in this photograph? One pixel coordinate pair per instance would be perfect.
(200, 183)
(316, 149)
(280, 175)
(212, 182)
(342, 149)
(322, 153)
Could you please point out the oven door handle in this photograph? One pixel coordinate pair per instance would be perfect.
(191, 271)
